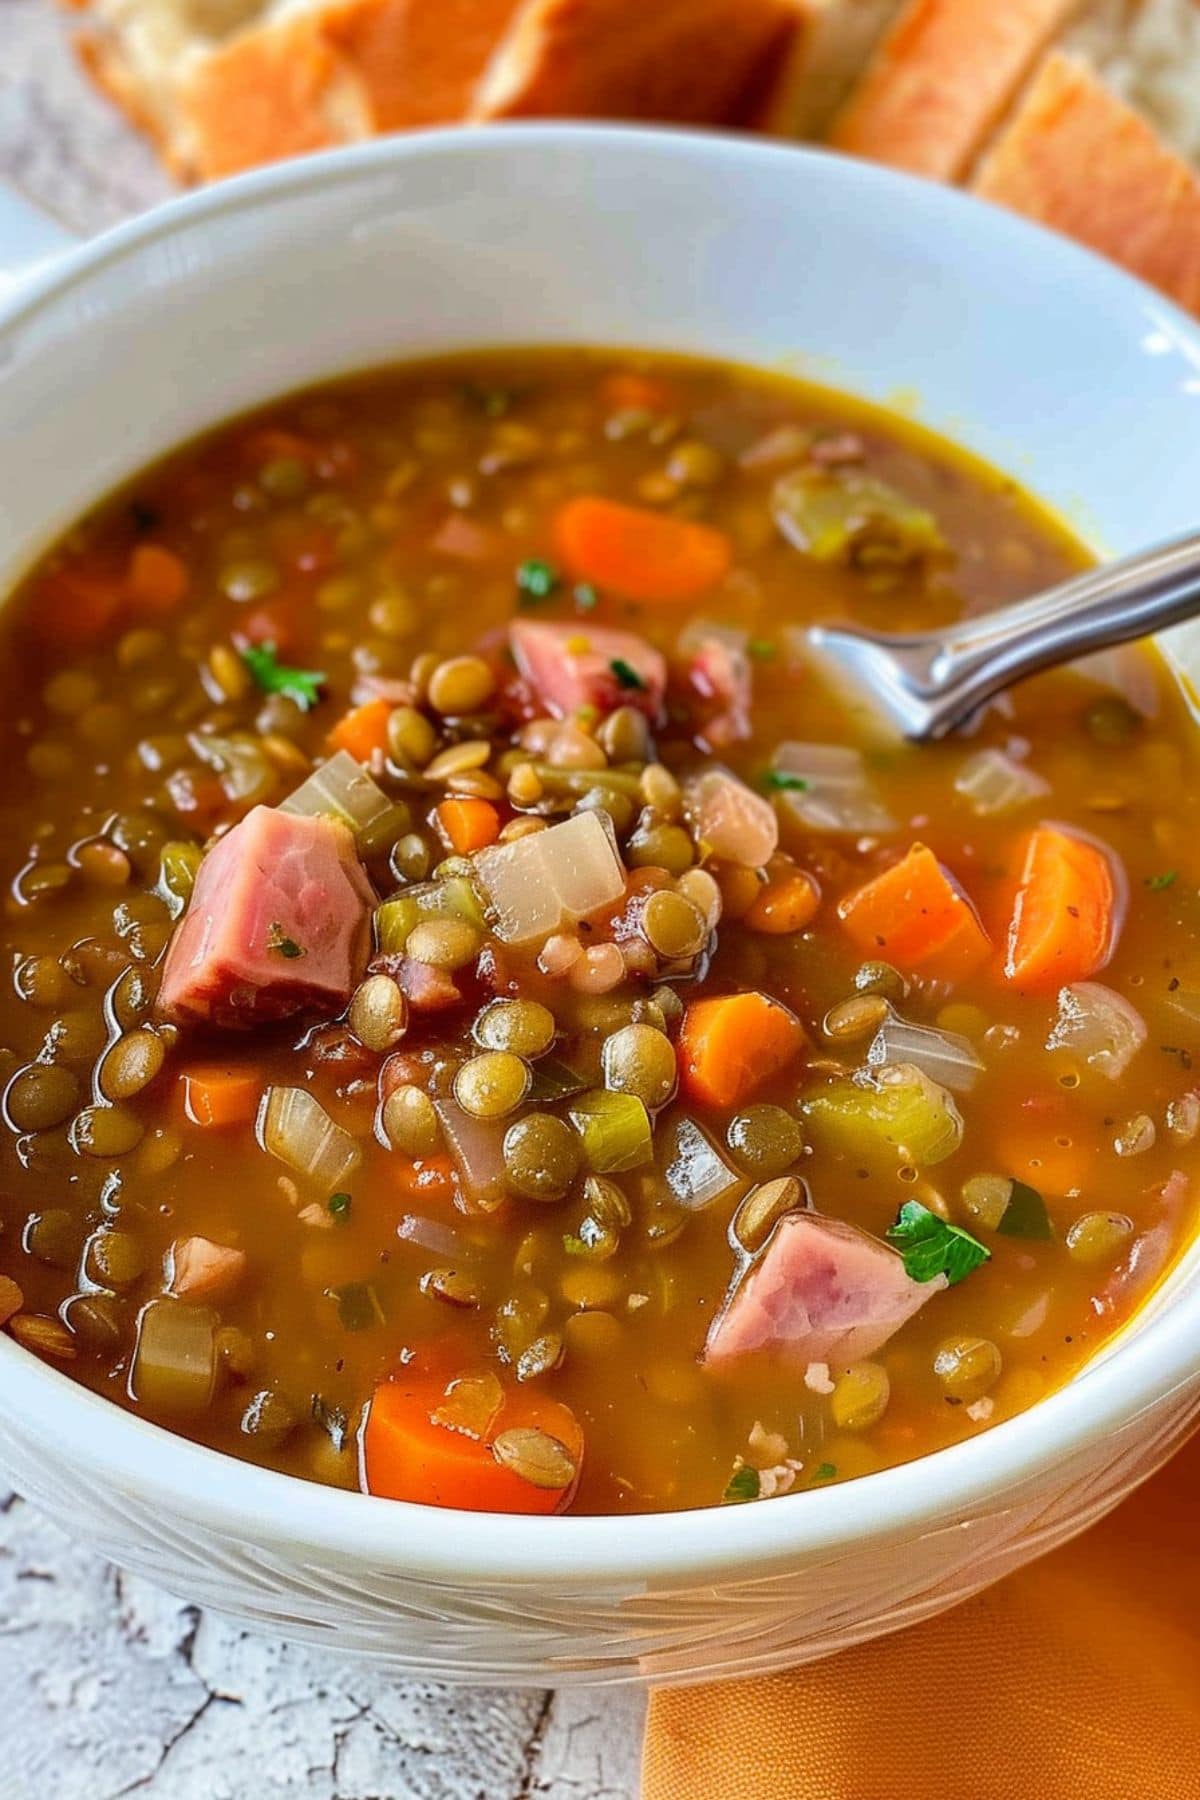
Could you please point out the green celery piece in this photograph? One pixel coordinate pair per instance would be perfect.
(847, 516)
(615, 1129)
(899, 1108)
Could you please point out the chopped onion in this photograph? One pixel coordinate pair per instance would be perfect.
(175, 1360)
(693, 1168)
(837, 794)
(342, 789)
(297, 1129)
(944, 1056)
(1098, 1024)
(781, 444)
(1125, 670)
(993, 782)
(735, 823)
(440, 1240)
(477, 1146)
(248, 776)
(538, 884)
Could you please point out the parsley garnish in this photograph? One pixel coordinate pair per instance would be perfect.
(301, 685)
(824, 1472)
(931, 1248)
(278, 940)
(778, 781)
(1156, 883)
(536, 580)
(627, 676)
(338, 1205)
(743, 1484)
(586, 596)
(761, 649)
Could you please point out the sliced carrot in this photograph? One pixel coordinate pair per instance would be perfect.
(75, 604)
(271, 443)
(1065, 914)
(787, 902)
(216, 1097)
(468, 824)
(363, 730)
(157, 579)
(408, 1456)
(627, 391)
(641, 554)
(424, 1177)
(731, 1044)
(915, 916)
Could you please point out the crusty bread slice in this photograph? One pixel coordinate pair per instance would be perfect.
(225, 84)
(682, 61)
(941, 80)
(832, 40)
(1076, 158)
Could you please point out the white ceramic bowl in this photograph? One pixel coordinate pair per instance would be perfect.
(1039, 357)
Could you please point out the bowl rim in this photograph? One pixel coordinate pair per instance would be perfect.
(184, 1482)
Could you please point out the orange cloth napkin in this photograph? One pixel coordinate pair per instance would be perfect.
(1076, 1679)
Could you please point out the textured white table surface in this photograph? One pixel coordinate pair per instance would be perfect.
(107, 1687)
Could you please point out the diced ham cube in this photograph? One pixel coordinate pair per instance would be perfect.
(718, 668)
(203, 1271)
(822, 1292)
(278, 924)
(573, 666)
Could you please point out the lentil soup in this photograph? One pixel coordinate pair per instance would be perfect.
(489, 1024)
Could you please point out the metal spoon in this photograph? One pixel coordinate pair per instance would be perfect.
(930, 681)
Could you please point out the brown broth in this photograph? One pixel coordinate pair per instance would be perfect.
(352, 587)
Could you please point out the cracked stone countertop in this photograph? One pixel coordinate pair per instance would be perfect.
(108, 1687)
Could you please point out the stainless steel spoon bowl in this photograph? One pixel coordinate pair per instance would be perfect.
(930, 681)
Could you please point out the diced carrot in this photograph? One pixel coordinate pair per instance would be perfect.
(627, 391)
(915, 916)
(408, 1456)
(468, 541)
(787, 902)
(363, 730)
(1064, 916)
(641, 554)
(730, 1044)
(157, 579)
(271, 443)
(75, 604)
(468, 824)
(424, 1177)
(216, 1097)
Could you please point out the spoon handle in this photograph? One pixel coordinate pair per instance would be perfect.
(933, 680)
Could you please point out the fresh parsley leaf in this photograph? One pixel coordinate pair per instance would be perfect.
(824, 1472)
(1156, 883)
(278, 940)
(761, 649)
(743, 1484)
(778, 781)
(301, 685)
(585, 596)
(931, 1248)
(536, 580)
(627, 676)
(1025, 1216)
(338, 1205)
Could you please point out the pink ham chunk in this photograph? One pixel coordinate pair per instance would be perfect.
(821, 1292)
(718, 668)
(573, 666)
(203, 1271)
(279, 923)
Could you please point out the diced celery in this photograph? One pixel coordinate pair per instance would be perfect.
(615, 1129)
(846, 516)
(454, 897)
(897, 1107)
(342, 789)
(175, 1359)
